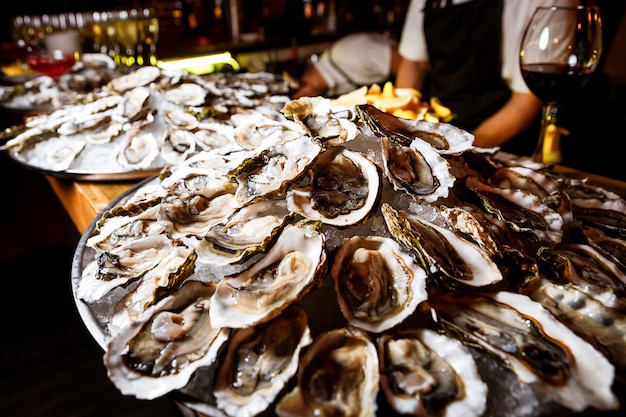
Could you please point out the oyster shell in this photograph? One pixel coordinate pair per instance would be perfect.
(186, 94)
(198, 204)
(138, 151)
(343, 189)
(423, 373)
(520, 209)
(244, 233)
(57, 154)
(140, 77)
(602, 326)
(378, 284)
(289, 269)
(271, 171)
(541, 350)
(324, 122)
(444, 137)
(338, 376)
(259, 362)
(417, 169)
(170, 272)
(121, 265)
(177, 146)
(461, 261)
(160, 352)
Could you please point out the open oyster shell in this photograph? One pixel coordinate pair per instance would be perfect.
(424, 373)
(378, 284)
(289, 269)
(259, 361)
(160, 352)
(343, 189)
(338, 376)
(541, 350)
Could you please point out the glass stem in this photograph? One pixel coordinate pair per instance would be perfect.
(545, 152)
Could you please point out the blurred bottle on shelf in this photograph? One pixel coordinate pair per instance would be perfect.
(129, 36)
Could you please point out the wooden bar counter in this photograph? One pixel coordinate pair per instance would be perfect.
(83, 201)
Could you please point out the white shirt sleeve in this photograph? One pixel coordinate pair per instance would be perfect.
(515, 15)
(412, 44)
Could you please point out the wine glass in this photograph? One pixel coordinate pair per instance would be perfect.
(559, 51)
(54, 63)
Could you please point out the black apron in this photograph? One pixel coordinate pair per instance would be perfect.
(464, 44)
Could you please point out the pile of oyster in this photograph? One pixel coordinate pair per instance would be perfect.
(142, 121)
(342, 261)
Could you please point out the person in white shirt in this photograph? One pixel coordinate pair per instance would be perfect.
(466, 53)
(355, 60)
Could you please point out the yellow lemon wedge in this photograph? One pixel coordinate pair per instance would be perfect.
(401, 98)
(353, 98)
(443, 112)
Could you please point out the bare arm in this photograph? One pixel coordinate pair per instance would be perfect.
(411, 74)
(311, 84)
(514, 117)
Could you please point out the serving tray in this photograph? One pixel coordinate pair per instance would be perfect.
(104, 135)
(506, 392)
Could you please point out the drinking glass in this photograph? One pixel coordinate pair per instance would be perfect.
(53, 63)
(559, 51)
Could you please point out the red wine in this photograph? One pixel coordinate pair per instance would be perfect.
(52, 65)
(553, 82)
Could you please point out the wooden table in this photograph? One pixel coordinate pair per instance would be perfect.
(83, 201)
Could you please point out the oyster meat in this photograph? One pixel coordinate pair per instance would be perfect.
(289, 269)
(344, 187)
(259, 361)
(428, 374)
(160, 352)
(338, 376)
(378, 284)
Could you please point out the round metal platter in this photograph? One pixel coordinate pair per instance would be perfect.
(506, 392)
(105, 133)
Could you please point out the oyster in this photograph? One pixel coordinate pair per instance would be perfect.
(324, 122)
(417, 169)
(289, 269)
(198, 204)
(343, 189)
(138, 151)
(134, 102)
(444, 137)
(459, 260)
(170, 272)
(271, 171)
(123, 225)
(214, 136)
(57, 154)
(378, 284)
(122, 265)
(423, 373)
(520, 209)
(259, 362)
(244, 233)
(180, 119)
(160, 352)
(587, 269)
(178, 145)
(602, 326)
(338, 376)
(597, 206)
(140, 77)
(257, 130)
(530, 341)
(186, 94)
